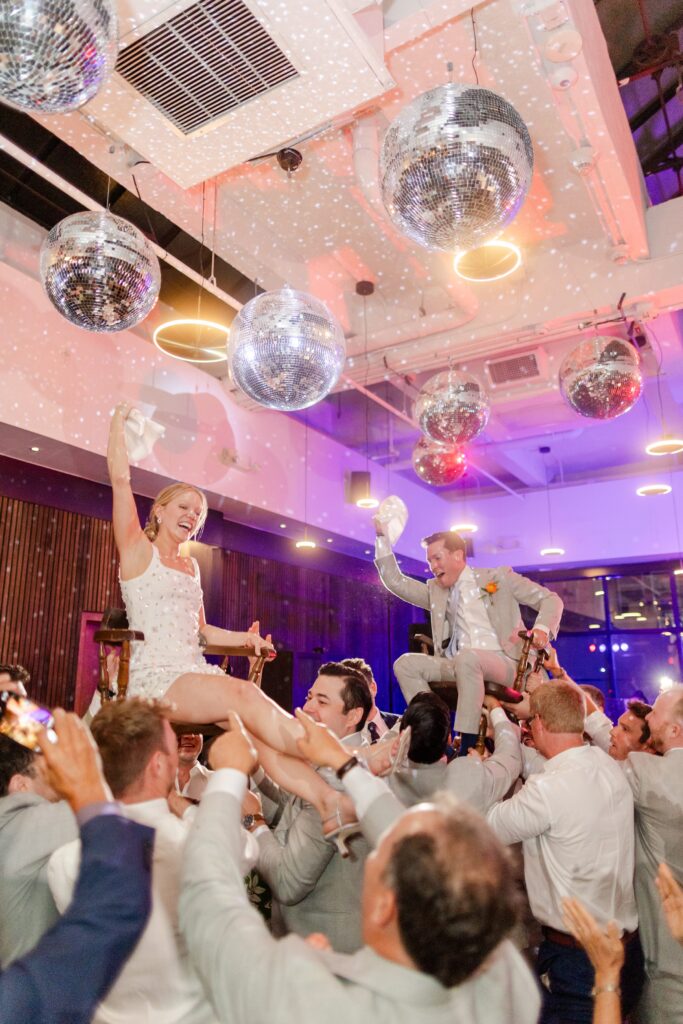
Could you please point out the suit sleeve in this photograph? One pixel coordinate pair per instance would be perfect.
(253, 976)
(523, 816)
(109, 910)
(293, 869)
(505, 764)
(548, 605)
(401, 586)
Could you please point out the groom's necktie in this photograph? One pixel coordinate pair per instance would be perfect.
(452, 616)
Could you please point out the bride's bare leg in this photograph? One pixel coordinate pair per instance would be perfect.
(205, 699)
(297, 776)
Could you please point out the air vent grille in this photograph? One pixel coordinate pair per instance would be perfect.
(513, 369)
(207, 60)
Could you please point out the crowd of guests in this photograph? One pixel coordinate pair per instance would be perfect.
(146, 878)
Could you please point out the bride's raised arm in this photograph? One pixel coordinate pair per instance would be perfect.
(130, 540)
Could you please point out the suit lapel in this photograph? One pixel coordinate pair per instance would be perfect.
(438, 602)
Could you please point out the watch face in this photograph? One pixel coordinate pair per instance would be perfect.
(248, 820)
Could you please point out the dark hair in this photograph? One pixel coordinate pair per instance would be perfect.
(17, 673)
(14, 760)
(360, 666)
(355, 692)
(595, 693)
(127, 733)
(451, 541)
(455, 893)
(640, 709)
(430, 723)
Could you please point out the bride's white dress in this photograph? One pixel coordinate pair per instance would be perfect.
(164, 604)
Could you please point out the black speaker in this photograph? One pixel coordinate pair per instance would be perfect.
(358, 487)
(277, 679)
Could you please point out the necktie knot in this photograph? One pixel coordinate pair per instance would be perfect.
(373, 732)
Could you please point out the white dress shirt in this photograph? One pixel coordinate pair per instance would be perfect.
(157, 984)
(575, 820)
(468, 617)
(196, 784)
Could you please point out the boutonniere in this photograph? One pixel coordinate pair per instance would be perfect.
(489, 590)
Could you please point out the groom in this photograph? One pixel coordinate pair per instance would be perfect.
(475, 620)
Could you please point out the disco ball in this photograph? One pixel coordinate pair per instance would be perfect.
(55, 54)
(455, 167)
(438, 464)
(452, 408)
(601, 378)
(99, 271)
(286, 350)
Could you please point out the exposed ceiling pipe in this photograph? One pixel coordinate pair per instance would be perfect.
(9, 147)
(416, 426)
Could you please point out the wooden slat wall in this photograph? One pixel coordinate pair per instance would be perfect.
(55, 565)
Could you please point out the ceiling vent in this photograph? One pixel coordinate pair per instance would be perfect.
(516, 369)
(207, 60)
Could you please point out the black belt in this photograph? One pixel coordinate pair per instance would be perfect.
(565, 939)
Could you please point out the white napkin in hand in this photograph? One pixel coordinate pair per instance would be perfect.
(141, 435)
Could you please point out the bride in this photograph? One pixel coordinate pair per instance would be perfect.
(163, 597)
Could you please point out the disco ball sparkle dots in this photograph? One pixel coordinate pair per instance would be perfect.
(601, 378)
(99, 271)
(55, 54)
(452, 408)
(286, 350)
(455, 167)
(438, 464)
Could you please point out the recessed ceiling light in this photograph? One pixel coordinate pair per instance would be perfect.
(650, 490)
(488, 262)
(367, 503)
(35, 448)
(678, 572)
(594, 625)
(599, 593)
(305, 543)
(665, 445)
(367, 551)
(464, 528)
(329, 540)
(551, 551)
(283, 526)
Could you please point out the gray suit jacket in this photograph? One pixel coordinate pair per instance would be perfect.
(250, 976)
(479, 783)
(502, 607)
(31, 829)
(314, 888)
(657, 784)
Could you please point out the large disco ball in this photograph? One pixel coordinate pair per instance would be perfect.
(452, 408)
(601, 378)
(455, 167)
(99, 271)
(55, 54)
(286, 350)
(438, 464)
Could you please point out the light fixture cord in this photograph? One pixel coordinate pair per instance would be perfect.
(476, 46)
(212, 278)
(201, 256)
(306, 476)
(367, 375)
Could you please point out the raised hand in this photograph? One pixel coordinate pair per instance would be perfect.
(73, 765)
(234, 749)
(605, 949)
(671, 895)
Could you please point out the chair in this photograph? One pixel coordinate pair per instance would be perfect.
(114, 632)
(448, 691)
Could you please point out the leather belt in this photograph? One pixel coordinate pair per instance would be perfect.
(565, 939)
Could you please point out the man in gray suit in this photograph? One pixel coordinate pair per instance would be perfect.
(314, 888)
(481, 783)
(437, 901)
(475, 620)
(657, 785)
(34, 822)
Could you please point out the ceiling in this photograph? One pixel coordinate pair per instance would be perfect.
(589, 230)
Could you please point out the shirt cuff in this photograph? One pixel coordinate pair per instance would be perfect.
(227, 780)
(259, 831)
(543, 628)
(363, 788)
(497, 716)
(382, 547)
(91, 811)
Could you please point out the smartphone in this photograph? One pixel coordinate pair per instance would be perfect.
(22, 720)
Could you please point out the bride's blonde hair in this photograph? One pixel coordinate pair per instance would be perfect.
(151, 527)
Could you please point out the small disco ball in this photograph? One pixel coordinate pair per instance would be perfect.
(99, 271)
(55, 54)
(438, 464)
(452, 408)
(601, 378)
(286, 350)
(455, 167)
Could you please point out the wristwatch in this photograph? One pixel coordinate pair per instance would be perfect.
(249, 821)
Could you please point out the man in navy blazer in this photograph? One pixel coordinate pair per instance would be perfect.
(76, 962)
